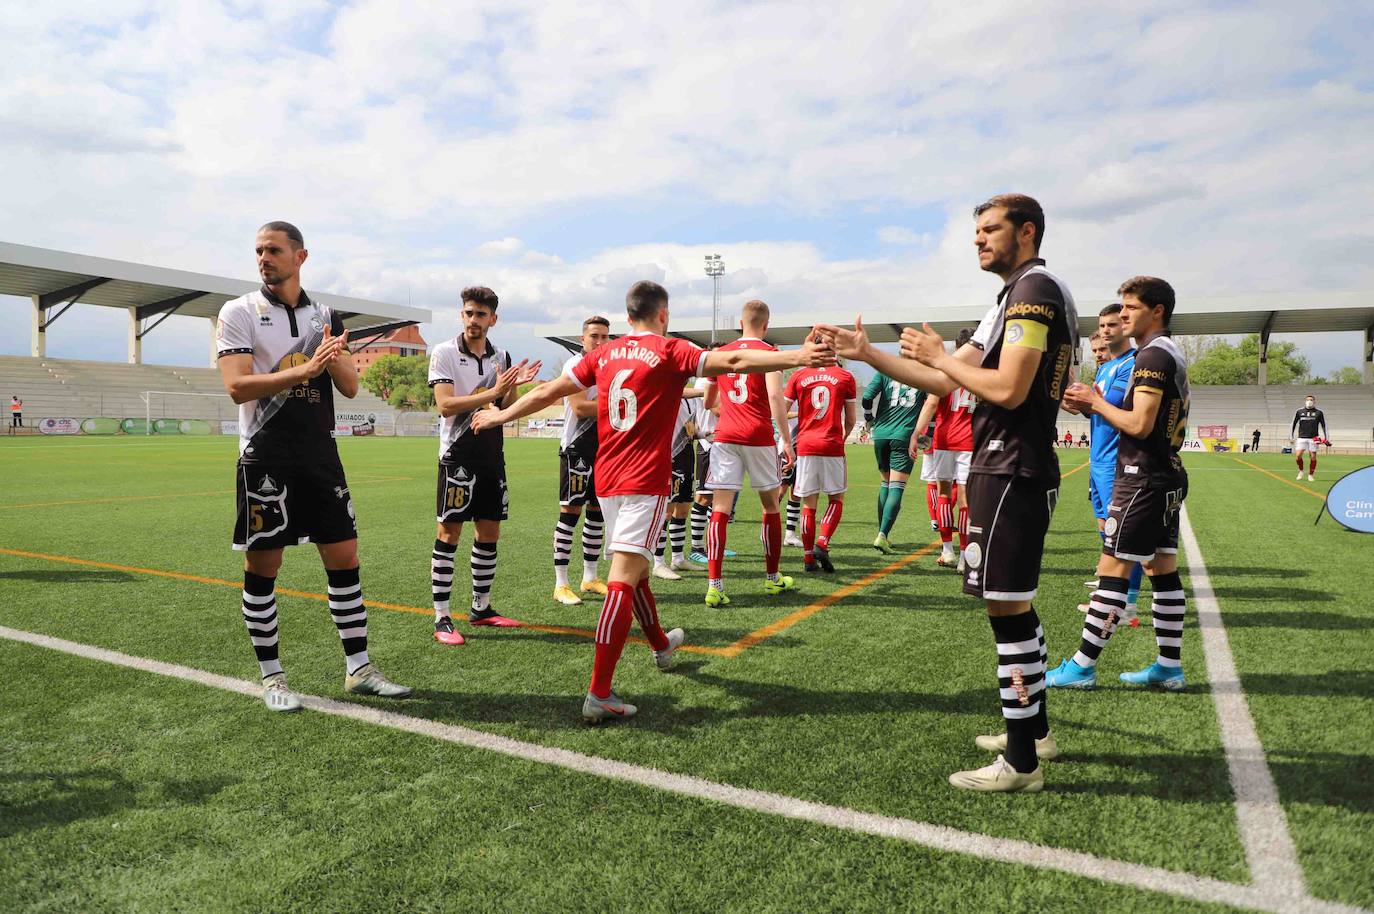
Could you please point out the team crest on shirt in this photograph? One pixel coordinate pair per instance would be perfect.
(267, 486)
(316, 324)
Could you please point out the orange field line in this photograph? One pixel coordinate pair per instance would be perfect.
(115, 498)
(394, 607)
(1287, 482)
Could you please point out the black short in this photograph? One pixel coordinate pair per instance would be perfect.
(576, 478)
(703, 469)
(787, 472)
(290, 505)
(477, 493)
(1142, 519)
(684, 462)
(1008, 517)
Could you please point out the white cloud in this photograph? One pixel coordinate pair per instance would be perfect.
(900, 234)
(503, 247)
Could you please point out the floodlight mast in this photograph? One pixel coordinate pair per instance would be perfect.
(715, 268)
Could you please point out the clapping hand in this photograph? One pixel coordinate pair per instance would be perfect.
(817, 351)
(924, 346)
(325, 353)
(849, 344)
(1080, 398)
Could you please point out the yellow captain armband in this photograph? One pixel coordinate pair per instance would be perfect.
(1031, 334)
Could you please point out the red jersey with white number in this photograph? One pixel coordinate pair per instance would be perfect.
(820, 395)
(744, 414)
(954, 421)
(638, 380)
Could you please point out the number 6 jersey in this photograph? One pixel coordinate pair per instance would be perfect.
(639, 380)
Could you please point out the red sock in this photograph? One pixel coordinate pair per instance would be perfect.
(715, 544)
(1311, 464)
(772, 541)
(963, 527)
(954, 491)
(611, 631)
(646, 612)
(807, 525)
(834, 510)
(1300, 461)
(932, 500)
(945, 518)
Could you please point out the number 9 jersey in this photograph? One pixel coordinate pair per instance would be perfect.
(821, 395)
(639, 380)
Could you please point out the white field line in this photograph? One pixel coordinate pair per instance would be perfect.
(1263, 827)
(938, 837)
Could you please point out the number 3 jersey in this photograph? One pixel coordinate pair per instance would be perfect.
(821, 395)
(452, 362)
(294, 426)
(745, 417)
(1160, 371)
(639, 380)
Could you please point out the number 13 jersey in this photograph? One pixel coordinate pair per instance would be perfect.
(639, 380)
(745, 417)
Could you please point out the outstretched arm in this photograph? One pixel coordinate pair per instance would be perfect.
(1007, 385)
(544, 395)
(854, 344)
(757, 361)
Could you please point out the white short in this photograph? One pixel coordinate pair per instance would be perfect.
(951, 465)
(633, 523)
(731, 462)
(928, 468)
(821, 474)
(1305, 445)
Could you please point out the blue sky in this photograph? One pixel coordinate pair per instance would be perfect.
(558, 150)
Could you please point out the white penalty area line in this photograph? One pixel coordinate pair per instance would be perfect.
(1263, 827)
(937, 837)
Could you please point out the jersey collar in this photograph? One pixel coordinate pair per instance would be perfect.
(1020, 271)
(463, 348)
(303, 302)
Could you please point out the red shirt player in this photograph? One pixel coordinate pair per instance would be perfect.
(639, 380)
(827, 407)
(751, 407)
(952, 454)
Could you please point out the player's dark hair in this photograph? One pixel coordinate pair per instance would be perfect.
(645, 299)
(595, 319)
(1152, 291)
(964, 336)
(481, 295)
(292, 233)
(1094, 336)
(1113, 308)
(1020, 210)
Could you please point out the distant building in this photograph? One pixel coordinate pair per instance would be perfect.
(406, 341)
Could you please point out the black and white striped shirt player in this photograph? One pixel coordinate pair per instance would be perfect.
(1014, 480)
(577, 451)
(281, 355)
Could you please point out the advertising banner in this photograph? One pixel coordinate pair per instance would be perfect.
(1351, 501)
(1211, 431)
(229, 427)
(100, 425)
(167, 426)
(134, 426)
(59, 426)
(193, 427)
(1215, 445)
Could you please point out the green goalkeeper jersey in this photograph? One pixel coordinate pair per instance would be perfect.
(891, 408)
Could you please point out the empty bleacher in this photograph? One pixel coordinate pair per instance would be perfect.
(1349, 410)
(80, 389)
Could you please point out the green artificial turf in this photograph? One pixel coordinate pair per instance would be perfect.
(869, 703)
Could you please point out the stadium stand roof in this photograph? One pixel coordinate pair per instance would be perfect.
(1264, 314)
(56, 280)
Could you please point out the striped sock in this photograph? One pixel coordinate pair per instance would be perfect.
(1021, 683)
(593, 528)
(1104, 612)
(793, 514)
(834, 510)
(441, 576)
(260, 615)
(1170, 603)
(611, 631)
(701, 515)
(483, 561)
(562, 545)
(1042, 722)
(349, 615)
(677, 536)
(646, 613)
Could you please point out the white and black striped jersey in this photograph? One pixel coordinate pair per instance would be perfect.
(688, 415)
(706, 420)
(296, 425)
(1034, 310)
(579, 433)
(1306, 421)
(452, 362)
(1161, 369)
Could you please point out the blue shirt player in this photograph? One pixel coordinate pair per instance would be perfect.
(1115, 363)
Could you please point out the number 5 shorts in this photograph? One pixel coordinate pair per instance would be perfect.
(731, 462)
(471, 493)
(282, 506)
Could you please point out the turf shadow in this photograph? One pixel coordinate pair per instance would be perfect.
(1221, 572)
(1279, 593)
(1335, 684)
(1298, 618)
(1173, 777)
(66, 797)
(68, 576)
(1324, 779)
